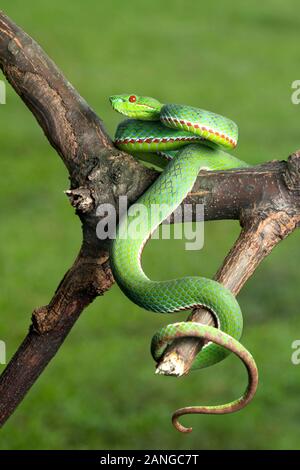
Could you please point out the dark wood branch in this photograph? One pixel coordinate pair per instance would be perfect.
(100, 173)
(70, 125)
(273, 216)
(50, 326)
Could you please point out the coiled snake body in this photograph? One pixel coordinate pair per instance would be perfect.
(193, 140)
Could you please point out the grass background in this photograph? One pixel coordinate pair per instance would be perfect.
(237, 58)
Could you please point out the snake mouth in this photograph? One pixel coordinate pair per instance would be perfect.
(115, 99)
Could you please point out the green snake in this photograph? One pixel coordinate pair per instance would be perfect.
(191, 139)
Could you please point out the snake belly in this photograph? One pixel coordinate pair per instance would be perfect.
(193, 140)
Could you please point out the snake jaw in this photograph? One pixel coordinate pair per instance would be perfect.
(116, 101)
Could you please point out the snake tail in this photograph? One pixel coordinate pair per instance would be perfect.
(212, 334)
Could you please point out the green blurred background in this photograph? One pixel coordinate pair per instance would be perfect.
(236, 58)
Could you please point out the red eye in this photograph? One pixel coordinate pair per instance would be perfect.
(132, 98)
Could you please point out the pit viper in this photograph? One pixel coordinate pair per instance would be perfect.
(191, 139)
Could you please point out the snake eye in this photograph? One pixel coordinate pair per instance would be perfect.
(132, 98)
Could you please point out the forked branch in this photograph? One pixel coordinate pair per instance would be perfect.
(264, 198)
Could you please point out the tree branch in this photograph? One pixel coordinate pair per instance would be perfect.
(266, 220)
(100, 173)
(257, 239)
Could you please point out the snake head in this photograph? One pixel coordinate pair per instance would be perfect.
(137, 107)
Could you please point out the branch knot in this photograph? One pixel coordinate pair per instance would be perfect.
(292, 173)
(81, 199)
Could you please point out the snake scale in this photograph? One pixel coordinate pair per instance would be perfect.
(191, 139)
